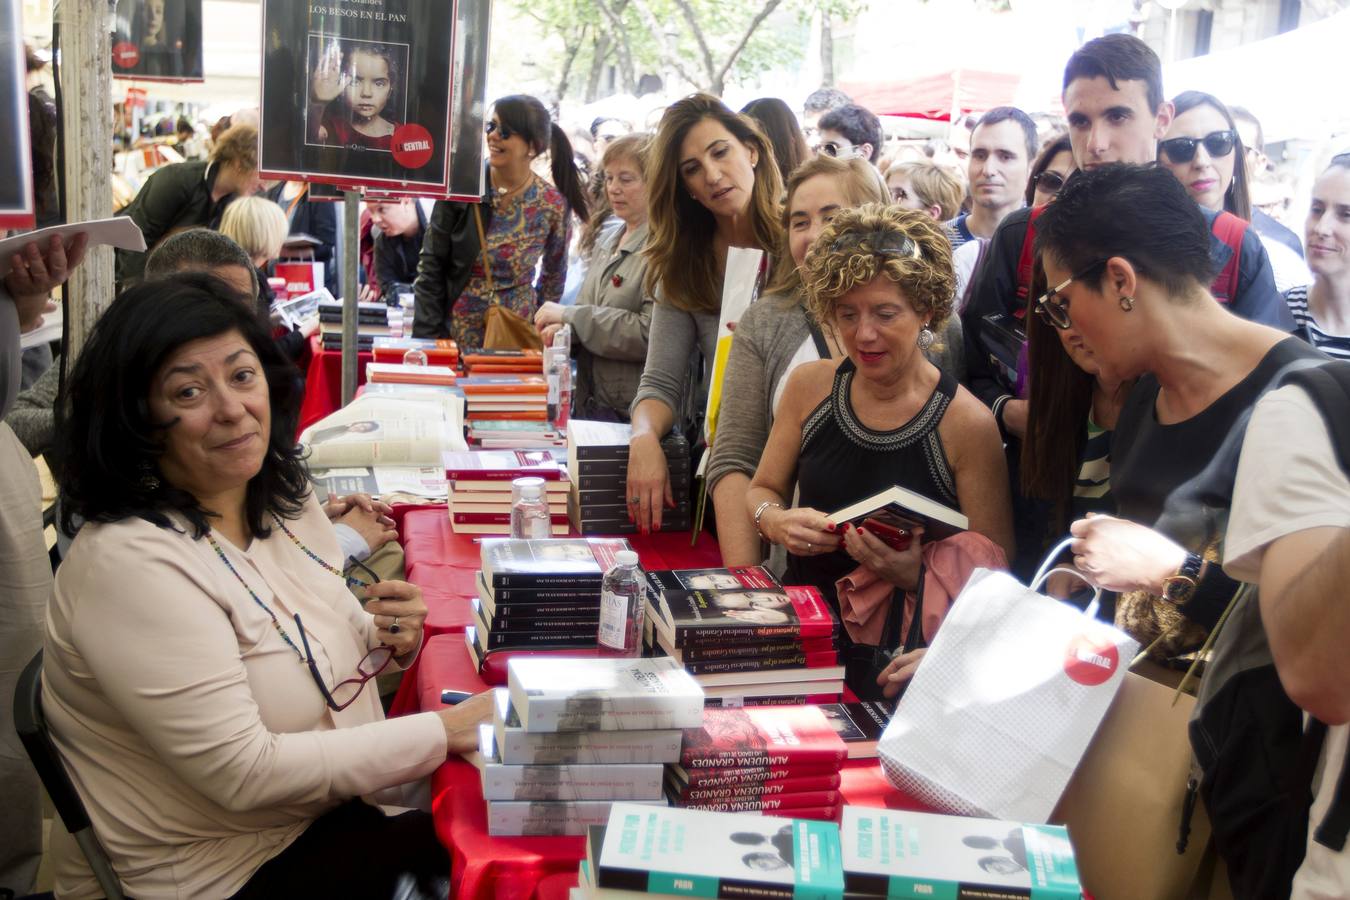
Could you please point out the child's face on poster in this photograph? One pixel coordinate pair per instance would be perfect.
(368, 84)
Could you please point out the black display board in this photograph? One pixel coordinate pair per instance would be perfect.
(16, 167)
(157, 40)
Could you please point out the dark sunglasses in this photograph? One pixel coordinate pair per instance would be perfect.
(345, 692)
(1182, 149)
(1053, 309)
(499, 129)
(879, 242)
(1050, 181)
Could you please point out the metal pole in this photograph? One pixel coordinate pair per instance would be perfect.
(351, 251)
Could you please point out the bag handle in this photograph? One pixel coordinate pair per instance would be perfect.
(483, 252)
(1049, 568)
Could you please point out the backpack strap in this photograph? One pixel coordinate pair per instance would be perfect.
(1231, 230)
(818, 338)
(1328, 385)
(1335, 826)
(1026, 262)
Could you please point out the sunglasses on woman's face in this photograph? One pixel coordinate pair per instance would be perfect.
(499, 129)
(1049, 181)
(1182, 149)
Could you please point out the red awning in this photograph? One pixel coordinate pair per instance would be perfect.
(935, 96)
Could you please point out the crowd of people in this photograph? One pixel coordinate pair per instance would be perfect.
(1089, 333)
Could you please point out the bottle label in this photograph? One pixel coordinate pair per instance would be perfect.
(613, 620)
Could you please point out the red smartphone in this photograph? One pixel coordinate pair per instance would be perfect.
(895, 538)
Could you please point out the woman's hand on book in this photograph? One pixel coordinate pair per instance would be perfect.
(897, 567)
(648, 482)
(461, 722)
(802, 531)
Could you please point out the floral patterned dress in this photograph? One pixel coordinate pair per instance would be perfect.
(531, 232)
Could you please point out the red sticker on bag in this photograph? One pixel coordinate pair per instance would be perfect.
(125, 54)
(412, 146)
(1090, 661)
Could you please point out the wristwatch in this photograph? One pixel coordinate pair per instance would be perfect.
(1179, 587)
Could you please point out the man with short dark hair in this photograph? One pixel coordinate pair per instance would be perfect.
(402, 225)
(817, 104)
(1114, 103)
(204, 250)
(850, 131)
(1002, 148)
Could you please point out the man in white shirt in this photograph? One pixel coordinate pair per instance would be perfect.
(1289, 532)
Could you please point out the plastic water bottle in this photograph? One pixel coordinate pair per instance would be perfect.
(415, 357)
(622, 594)
(530, 518)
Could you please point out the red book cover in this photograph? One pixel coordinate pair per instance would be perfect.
(705, 617)
(521, 415)
(497, 518)
(762, 736)
(769, 804)
(756, 649)
(503, 465)
(750, 775)
(806, 784)
(504, 384)
(491, 357)
(823, 660)
(435, 356)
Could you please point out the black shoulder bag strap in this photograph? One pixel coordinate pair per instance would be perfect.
(818, 338)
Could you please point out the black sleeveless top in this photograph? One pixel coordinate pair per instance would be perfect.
(843, 461)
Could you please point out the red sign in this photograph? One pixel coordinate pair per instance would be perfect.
(125, 55)
(1090, 661)
(412, 146)
(300, 277)
(136, 98)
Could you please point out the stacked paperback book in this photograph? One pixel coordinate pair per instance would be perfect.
(437, 352)
(872, 853)
(745, 637)
(539, 595)
(597, 460)
(570, 737)
(479, 483)
(504, 362)
(373, 320)
(506, 398)
(782, 759)
(515, 434)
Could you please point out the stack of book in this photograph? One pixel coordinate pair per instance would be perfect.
(479, 488)
(400, 373)
(570, 737)
(498, 434)
(760, 759)
(861, 724)
(506, 398)
(597, 460)
(504, 362)
(439, 352)
(746, 638)
(539, 595)
(687, 852)
(373, 320)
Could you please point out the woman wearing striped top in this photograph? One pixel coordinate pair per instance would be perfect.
(1322, 309)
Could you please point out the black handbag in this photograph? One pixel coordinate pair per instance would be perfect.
(864, 663)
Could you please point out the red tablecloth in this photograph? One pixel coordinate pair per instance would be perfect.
(538, 868)
(323, 382)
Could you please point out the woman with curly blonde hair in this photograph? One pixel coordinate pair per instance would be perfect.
(883, 415)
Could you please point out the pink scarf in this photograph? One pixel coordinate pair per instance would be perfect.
(863, 596)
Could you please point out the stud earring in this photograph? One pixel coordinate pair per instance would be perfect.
(926, 338)
(1127, 303)
(148, 480)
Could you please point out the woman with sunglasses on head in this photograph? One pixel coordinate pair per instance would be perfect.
(1050, 171)
(712, 184)
(1204, 151)
(525, 222)
(878, 416)
(206, 671)
(1322, 308)
(1126, 254)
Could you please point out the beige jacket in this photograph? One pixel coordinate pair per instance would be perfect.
(195, 736)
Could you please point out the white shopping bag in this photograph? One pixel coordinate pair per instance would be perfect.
(1005, 702)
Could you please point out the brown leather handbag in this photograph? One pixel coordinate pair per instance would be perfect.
(504, 329)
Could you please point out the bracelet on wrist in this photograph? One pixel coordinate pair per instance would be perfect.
(759, 514)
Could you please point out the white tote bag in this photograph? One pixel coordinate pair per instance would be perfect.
(1005, 702)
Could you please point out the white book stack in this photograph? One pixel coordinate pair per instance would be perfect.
(570, 737)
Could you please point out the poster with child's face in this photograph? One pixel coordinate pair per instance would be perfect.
(157, 40)
(357, 92)
(16, 168)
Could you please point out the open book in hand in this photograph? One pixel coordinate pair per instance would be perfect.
(895, 512)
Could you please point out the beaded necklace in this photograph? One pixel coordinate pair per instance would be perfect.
(276, 623)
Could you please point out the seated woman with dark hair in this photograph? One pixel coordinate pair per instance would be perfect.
(205, 671)
(1126, 255)
(880, 416)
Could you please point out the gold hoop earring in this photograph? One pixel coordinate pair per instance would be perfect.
(1127, 303)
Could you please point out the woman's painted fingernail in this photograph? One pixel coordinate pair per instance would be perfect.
(861, 530)
(829, 526)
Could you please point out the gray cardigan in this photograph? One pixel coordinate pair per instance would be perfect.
(679, 343)
(611, 323)
(33, 416)
(767, 337)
